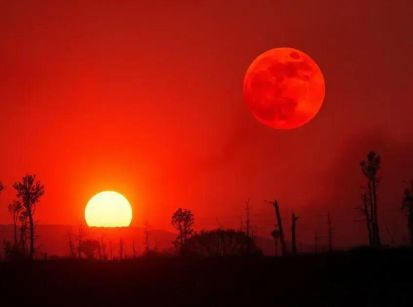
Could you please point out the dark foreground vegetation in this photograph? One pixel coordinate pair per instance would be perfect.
(356, 278)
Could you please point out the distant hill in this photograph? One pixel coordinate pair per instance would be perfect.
(54, 239)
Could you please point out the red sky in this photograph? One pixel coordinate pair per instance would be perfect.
(146, 98)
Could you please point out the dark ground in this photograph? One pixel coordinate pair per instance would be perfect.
(357, 278)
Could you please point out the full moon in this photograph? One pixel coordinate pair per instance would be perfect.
(284, 88)
(108, 209)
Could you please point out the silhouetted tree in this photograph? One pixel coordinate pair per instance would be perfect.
(370, 168)
(23, 232)
(182, 220)
(221, 242)
(15, 209)
(29, 192)
(275, 234)
(279, 228)
(294, 219)
(80, 236)
(366, 214)
(248, 225)
(407, 206)
(13, 251)
(17, 249)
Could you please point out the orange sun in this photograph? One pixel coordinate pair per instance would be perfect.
(284, 88)
(108, 209)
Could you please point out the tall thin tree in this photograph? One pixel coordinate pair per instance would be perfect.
(370, 168)
(80, 237)
(367, 216)
(29, 192)
(279, 227)
(407, 206)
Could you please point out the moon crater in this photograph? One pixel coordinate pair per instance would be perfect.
(284, 88)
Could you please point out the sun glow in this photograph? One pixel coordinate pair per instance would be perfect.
(108, 209)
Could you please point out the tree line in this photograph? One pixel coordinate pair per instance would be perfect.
(216, 242)
(183, 219)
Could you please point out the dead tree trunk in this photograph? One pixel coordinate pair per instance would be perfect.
(407, 205)
(377, 240)
(294, 219)
(370, 168)
(280, 228)
(370, 209)
(275, 246)
(367, 216)
(275, 236)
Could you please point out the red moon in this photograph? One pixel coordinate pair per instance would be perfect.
(284, 88)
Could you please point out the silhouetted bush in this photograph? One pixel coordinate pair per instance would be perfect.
(221, 242)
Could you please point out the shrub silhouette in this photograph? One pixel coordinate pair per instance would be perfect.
(221, 242)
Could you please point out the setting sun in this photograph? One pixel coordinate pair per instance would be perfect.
(108, 209)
